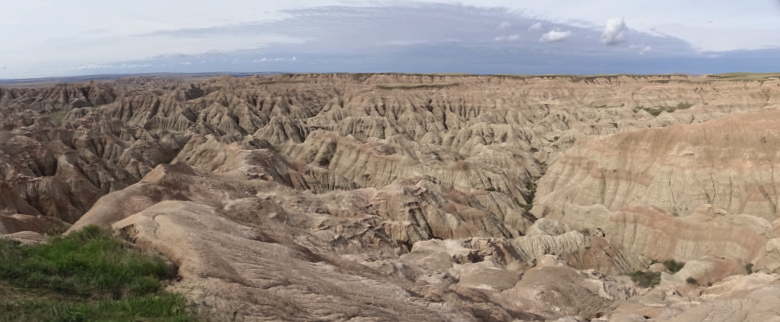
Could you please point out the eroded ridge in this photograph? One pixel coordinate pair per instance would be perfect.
(412, 197)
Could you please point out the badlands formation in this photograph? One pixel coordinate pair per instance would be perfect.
(417, 197)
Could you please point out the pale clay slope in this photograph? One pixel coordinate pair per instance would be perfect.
(706, 189)
(406, 197)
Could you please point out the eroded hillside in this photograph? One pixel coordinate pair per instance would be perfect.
(411, 197)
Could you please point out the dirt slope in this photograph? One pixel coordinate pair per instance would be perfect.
(409, 197)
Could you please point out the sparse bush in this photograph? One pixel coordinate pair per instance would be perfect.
(692, 281)
(673, 266)
(646, 279)
(749, 268)
(683, 106)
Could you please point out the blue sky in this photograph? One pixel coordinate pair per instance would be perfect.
(59, 38)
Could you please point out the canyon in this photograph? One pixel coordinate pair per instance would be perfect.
(403, 197)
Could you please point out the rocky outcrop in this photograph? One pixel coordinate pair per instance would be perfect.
(413, 197)
(283, 279)
(489, 137)
(728, 163)
(737, 298)
(647, 189)
(25, 237)
(18, 223)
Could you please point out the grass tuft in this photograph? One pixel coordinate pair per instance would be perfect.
(164, 307)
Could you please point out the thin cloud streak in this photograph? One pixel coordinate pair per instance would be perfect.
(555, 36)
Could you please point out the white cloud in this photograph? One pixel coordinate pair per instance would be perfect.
(274, 59)
(507, 38)
(48, 35)
(116, 66)
(402, 42)
(643, 49)
(615, 32)
(555, 36)
(329, 34)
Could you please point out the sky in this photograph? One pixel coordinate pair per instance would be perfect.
(42, 38)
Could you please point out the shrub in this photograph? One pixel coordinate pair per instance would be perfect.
(749, 268)
(646, 279)
(683, 106)
(692, 281)
(673, 266)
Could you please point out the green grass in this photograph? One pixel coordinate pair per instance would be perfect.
(58, 117)
(85, 276)
(745, 76)
(416, 86)
(164, 307)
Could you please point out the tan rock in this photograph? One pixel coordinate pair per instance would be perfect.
(737, 298)
(705, 271)
(413, 197)
(41, 224)
(236, 271)
(770, 259)
(25, 237)
(726, 163)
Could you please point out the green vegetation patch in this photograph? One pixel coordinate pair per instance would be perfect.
(58, 117)
(85, 276)
(416, 86)
(165, 307)
(646, 279)
(657, 110)
(673, 266)
(745, 76)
